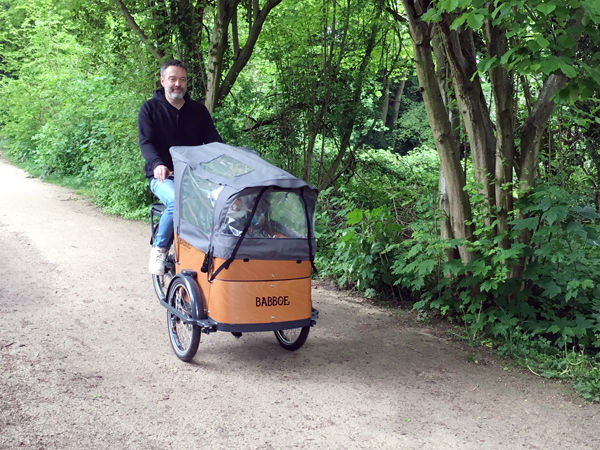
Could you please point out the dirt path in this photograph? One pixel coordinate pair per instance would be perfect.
(85, 360)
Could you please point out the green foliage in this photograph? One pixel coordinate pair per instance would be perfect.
(413, 129)
(545, 360)
(321, 84)
(545, 38)
(559, 305)
(60, 119)
(94, 139)
(556, 302)
(360, 251)
(47, 71)
(538, 280)
(119, 183)
(357, 245)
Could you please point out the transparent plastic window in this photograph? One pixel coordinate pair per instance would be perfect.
(226, 166)
(280, 214)
(198, 197)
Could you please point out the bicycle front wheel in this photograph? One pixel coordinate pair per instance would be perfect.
(184, 337)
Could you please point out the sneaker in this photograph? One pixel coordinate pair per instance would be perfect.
(156, 264)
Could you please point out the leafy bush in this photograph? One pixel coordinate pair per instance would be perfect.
(556, 299)
(94, 138)
(60, 119)
(360, 251)
(119, 181)
(357, 245)
(551, 314)
(413, 128)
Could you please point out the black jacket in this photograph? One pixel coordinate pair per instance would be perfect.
(161, 126)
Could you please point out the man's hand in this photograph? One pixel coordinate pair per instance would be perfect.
(161, 172)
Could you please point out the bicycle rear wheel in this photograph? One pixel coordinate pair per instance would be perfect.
(292, 339)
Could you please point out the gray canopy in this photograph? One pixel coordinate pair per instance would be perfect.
(231, 203)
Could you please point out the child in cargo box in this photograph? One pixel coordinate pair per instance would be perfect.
(238, 216)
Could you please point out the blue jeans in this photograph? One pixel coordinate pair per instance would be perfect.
(165, 191)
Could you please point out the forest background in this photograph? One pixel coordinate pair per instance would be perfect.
(455, 143)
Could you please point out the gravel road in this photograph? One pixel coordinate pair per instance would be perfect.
(85, 360)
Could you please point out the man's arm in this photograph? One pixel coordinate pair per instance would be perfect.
(146, 138)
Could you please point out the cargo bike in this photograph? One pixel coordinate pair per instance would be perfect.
(243, 249)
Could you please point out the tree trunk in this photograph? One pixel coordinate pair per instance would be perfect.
(446, 144)
(187, 18)
(503, 91)
(533, 129)
(225, 10)
(134, 26)
(385, 101)
(399, 92)
(350, 107)
(217, 90)
(313, 130)
(460, 52)
(315, 120)
(161, 27)
(443, 80)
(531, 136)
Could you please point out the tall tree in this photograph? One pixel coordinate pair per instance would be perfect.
(330, 57)
(217, 88)
(505, 42)
(180, 28)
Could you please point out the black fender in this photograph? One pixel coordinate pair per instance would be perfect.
(187, 278)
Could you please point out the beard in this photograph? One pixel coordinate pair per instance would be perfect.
(175, 95)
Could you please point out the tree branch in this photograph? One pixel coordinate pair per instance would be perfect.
(534, 127)
(134, 26)
(244, 54)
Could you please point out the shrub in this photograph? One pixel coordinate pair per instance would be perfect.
(357, 245)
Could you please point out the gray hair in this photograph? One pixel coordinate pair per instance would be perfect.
(172, 62)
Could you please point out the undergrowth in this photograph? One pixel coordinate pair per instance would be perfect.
(547, 319)
(542, 359)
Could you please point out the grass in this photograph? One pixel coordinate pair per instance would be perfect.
(580, 370)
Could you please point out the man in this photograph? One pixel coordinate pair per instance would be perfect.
(169, 118)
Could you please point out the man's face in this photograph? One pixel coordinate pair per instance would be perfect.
(174, 80)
